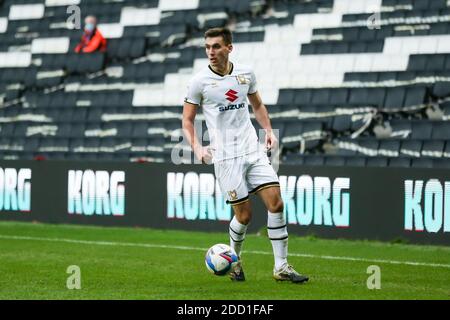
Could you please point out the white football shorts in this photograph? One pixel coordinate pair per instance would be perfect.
(241, 176)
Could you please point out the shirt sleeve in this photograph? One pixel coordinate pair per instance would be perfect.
(253, 85)
(78, 47)
(194, 93)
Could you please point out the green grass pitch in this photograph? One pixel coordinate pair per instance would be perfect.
(134, 263)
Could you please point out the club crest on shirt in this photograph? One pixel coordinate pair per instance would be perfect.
(232, 194)
(242, 79)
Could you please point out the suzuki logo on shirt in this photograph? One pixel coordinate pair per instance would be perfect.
(231, 95)
(232, 107)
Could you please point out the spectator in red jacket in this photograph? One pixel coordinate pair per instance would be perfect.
(92, 40)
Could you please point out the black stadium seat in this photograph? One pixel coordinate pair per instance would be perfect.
(400, 162)
(389, 148)
(335, 161)
(377, 162)
(441, 131)
(436, 62)
(433, 149)
(441, 163)
(358, 96)
(376, 97)
(20, 129)
(422, 163)
(286, 97)
(441, 89)
(339, 96)
(314, 161)
(415, 96)
(293, 158)
(356, 161)
(302, 96)
(292, 136)
(320, 96)
(140, 130)
(421, 130)
(411, 148)
(7, 129)
(395, 98)
(417, 62)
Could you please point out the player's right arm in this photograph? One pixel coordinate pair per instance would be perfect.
(189, 113)
(192, 101)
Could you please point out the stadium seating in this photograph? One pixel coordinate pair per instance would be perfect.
(354, 83)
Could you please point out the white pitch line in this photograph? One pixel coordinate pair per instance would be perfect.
(162, 246)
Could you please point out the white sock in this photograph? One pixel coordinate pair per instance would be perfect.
(237, 235)
(278, 235)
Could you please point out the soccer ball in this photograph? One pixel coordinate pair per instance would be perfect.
(220, 259)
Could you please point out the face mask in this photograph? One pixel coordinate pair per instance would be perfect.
(89, 27)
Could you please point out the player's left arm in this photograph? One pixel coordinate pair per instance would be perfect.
(262, 116)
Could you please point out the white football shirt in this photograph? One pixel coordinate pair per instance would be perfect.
(224, 102)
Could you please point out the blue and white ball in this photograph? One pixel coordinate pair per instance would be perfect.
(220, 259)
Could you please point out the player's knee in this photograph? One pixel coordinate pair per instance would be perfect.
(276, 206)
(244, 217)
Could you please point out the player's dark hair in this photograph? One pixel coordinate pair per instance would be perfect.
(225, 33)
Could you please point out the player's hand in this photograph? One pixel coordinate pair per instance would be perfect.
(204, 155)
(271, 140)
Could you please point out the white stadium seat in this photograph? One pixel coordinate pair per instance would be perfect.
(50, 45)
(168, 5)
(3, 24)
(55, 3)
(139, 17)
(15, 59)
(26, 11)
